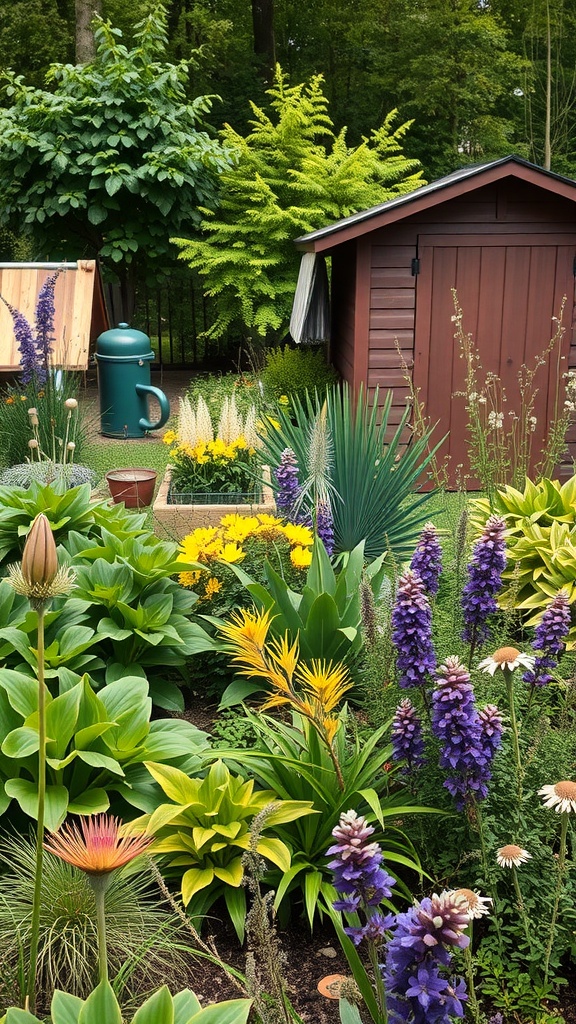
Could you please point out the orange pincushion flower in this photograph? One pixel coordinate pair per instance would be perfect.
(98, 846)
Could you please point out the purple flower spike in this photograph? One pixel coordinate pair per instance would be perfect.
(45, 314)
(550, 639)
(484, 581)
(468, 740)
(325, 525)
(427, 559)
(358, 874)
(419, 988)
(26, 345)
(412, 632)
(288, 486)
(407, 742)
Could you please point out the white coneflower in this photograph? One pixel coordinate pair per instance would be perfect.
(204, 428)
(512, 856)
(506, 658)
(562, 797)
(478, 905)
(186, 422)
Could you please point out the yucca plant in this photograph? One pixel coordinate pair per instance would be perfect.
(373, 477)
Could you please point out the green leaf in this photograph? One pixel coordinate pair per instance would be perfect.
(312, 884)
(21, 742)
(231, 1011)
(185, 1006)
(235, 900)
(194, 880)
(65, 1008)
(26, 793)
(101, 1006)
(349, 1013)
(158, 1009)
(92, 801)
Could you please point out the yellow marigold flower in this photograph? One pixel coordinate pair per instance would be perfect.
(298, 534)
(170, 437)
(232, 552)
(189, 579)
(300, 557)
(283, 400)
(241, 529)
(265, 519)
(9, 400)
(23, 398)
(213, 586)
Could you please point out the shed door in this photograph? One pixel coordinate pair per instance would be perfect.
(509, 288)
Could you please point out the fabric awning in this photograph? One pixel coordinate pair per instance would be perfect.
(310, 320)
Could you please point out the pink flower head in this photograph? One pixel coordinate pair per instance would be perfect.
(99, 846)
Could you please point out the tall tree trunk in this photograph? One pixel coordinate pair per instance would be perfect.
(85, 46)
(264, 43)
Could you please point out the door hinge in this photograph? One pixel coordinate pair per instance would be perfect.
(416, 266)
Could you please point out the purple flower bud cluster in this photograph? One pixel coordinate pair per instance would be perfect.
(412, 632)
(550, 639)
(407, 741)
(484, 581)
(325, 525)
(427, 559)
(359, 875)
(44, 322)
(469, 739)
(288, 484)
(418, 985)
(35, 346)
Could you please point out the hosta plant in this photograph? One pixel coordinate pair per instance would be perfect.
(96, 744)
(102, 1007)
(325, 616)
(204, 829)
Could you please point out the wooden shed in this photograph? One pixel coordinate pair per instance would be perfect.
(503, 235)
(80, 311)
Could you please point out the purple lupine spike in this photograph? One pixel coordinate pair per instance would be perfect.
(325, 525)
(419, 988)
(484, 581)
(44, 323)
(26, 345)
(357, 865)
(412, 632)
(407, 741)
(491, 729)
(427, 559)
(550, 639)
(288, 484)
(468, 741)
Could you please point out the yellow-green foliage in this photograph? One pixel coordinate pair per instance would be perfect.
(540, 543)
(205, 828)
(291, 371)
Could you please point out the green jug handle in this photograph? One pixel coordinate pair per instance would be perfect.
(148, 389)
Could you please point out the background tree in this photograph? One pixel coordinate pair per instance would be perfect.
(291, 174)
(113, 160)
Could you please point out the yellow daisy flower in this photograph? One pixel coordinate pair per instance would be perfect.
(300, 557)
(170, 437)
(189, 579)
(298, 534)
(232, 552)
(213, 586)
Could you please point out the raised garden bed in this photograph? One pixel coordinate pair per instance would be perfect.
(174, 521)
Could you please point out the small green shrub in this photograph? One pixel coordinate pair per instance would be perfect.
(293, 371)
(72, 474)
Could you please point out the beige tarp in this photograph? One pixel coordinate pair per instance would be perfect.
(80, 313)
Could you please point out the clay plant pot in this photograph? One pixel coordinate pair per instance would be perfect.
(134, 486)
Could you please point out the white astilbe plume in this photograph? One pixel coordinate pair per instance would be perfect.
(186, 422)
(204, 428)
(319, 461)
(250, 432)
(230, 425)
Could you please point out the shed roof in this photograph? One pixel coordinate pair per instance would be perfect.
(467, 179)
(80, 312)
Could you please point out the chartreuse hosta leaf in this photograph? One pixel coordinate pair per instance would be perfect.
(205, 828)
(102, 1007)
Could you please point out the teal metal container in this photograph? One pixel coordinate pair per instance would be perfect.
(123, 357)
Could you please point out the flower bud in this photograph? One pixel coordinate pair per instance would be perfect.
(33, 443)
(71, 446)
(40, 559)
(71, 403)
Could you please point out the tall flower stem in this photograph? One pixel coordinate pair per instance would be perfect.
(561, 867)
(489, 877)
(469, 968)
(379, 983)
(99, 885)
(37, 897)
(521, 908)
(508, 676)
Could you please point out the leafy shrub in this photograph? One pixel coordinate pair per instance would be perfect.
(141, 934)
(96, 745)
(206, 825)
(293, 371)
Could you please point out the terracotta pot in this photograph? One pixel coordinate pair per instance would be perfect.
(135, 487)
